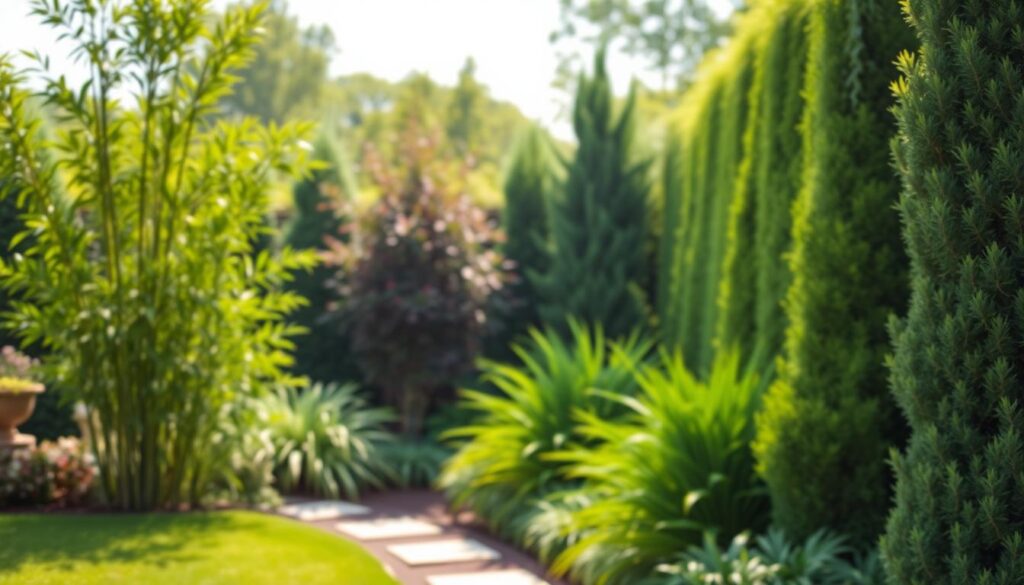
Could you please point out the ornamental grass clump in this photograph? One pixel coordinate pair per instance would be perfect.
(142, 283)
(679, 464)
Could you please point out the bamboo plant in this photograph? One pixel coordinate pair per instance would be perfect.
(141, 277)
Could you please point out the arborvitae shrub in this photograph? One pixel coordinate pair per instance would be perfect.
(777, 168)
(323, 353)
(599, 221)
(828, 420)
(956, 373)
(525, 218)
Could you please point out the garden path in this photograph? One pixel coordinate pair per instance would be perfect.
(415, 536)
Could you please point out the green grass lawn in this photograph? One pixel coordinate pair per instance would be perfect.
(216, 547)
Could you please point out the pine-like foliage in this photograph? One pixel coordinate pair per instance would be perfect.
(828, 421)
(704, 151)
(599, 223)
(323, 352)
(956, 373)
(527, 185)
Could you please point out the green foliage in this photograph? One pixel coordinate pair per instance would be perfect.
(829, 420)
(321, 198)
(527, 192)
(671, 36)
(245, 458)
(286, 76)
(142, 283)
(416, 277)
(680, 464)
(327, 440)
(772, 559)
(504, 466)
(415, 463)
(701, 163)
(599, 222)
(956, 372)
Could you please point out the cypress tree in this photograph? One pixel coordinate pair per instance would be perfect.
(323, 352)
(957, 367)
(525, 219)
(778, 169)
(828, 421)
(599, 223)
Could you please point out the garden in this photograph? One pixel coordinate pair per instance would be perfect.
(761, 325)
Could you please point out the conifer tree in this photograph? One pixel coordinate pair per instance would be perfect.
(599, 223)
(829, 421)
(527, 185)
(957, 367)
(323, 352)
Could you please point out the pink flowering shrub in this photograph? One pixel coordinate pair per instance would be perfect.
(55, 474)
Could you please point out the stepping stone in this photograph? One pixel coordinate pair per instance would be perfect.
(441, 552)
(385, 528)
(322, 510)
(514, 577)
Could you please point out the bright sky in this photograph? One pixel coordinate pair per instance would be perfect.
(391, 38)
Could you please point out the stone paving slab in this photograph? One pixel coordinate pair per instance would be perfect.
(322, 510)
(442, 552)
(513, 577)
(387, 528)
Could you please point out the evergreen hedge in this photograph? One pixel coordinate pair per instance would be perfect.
(323, 353)
(599, 222)
(829, 421)
(956, 373)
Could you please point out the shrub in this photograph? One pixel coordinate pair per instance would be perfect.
(143, 285)
(327, 440)
(321, 202)
(414, 463)
(956, 371)
(504, 465)
(829, 420)
(772, 559)
(599, 220)
(527, 192)
(416, 278)
(56, 474)
(244, 458)
(678, 465)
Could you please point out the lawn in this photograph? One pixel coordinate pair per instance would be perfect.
(216, 547)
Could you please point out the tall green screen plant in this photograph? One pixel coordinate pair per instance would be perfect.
(142, 282)
(527, 186)
(321, 200)
(956, 372)
(599, 221)
(829, 420)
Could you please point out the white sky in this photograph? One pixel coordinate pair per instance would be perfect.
(391, 38)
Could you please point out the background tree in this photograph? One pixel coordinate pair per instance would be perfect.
(829, 420)
(465, 111)
(287, 72)
(599, 221)
(671, 36)
(956, 372)
(321, 201)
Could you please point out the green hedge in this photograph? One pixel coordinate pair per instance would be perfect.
(829, 421)
(956, 373)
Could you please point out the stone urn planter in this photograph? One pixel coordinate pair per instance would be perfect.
(16, 405)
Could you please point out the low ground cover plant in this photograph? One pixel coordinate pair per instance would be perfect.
(56, 474)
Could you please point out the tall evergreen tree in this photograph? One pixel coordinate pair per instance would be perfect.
(829, 421)
(958, 365)
(599, 223)
(323, 352)
(527, 185)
